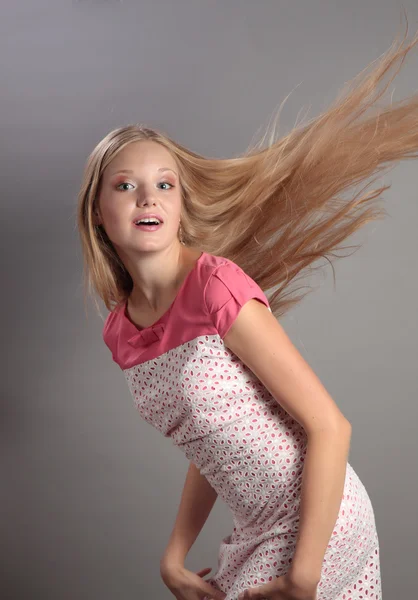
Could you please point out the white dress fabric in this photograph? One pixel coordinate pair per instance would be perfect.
(187, 384)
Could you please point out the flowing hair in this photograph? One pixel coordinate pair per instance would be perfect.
(274, 210)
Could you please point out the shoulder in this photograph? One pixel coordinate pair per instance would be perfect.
(111, 326)
(227, 288)
(225, 280)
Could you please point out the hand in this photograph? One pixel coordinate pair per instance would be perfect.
(187, 585)
(281, 588)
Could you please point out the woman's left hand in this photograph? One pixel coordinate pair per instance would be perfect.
(281, 588)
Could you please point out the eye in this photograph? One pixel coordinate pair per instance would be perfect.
(166, 183)
(126, 183)
(123, 183)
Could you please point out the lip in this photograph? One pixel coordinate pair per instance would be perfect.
(147, 215)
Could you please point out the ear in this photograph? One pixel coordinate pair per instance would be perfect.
(97, 220)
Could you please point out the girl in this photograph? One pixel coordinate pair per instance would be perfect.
(180, 248)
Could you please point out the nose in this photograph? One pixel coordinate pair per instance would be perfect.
(145, 197)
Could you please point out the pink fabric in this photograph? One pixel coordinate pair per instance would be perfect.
(226, 292)
(187, 384)
(207, 303)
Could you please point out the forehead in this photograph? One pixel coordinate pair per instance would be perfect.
(144, 154)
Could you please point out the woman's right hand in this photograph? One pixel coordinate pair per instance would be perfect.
(187, 585)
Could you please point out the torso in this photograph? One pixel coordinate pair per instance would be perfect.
(141, 317)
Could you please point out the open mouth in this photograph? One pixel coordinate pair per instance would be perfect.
(151, 226)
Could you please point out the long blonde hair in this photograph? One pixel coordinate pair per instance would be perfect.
(274, 210)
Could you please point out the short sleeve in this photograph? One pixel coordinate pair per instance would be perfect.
(109, 333)
(227, 290)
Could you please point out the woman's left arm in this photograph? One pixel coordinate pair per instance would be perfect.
(258, 339)
(322, 489)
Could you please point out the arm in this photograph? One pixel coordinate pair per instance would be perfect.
(258, 339)
(322, 489)
(197, 500)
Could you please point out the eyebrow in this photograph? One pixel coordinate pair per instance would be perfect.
(130, 170)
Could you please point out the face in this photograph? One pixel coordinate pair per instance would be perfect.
(150, 185)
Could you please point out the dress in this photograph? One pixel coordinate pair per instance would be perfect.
(188, 385)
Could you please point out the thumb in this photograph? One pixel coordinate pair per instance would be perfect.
(212, 593)
(203, 572)
(251, 594)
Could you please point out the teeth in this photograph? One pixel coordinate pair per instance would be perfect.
(147, 221)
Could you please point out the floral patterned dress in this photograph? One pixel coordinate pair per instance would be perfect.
(187, 384)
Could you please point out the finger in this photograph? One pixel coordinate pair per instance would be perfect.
(252, 594)
(213, 594)
(203, 572)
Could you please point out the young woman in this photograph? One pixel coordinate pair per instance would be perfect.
(180, 248)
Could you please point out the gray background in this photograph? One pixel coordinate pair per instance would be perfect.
(90, 491)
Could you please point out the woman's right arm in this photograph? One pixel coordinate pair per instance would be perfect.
(197, 500)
